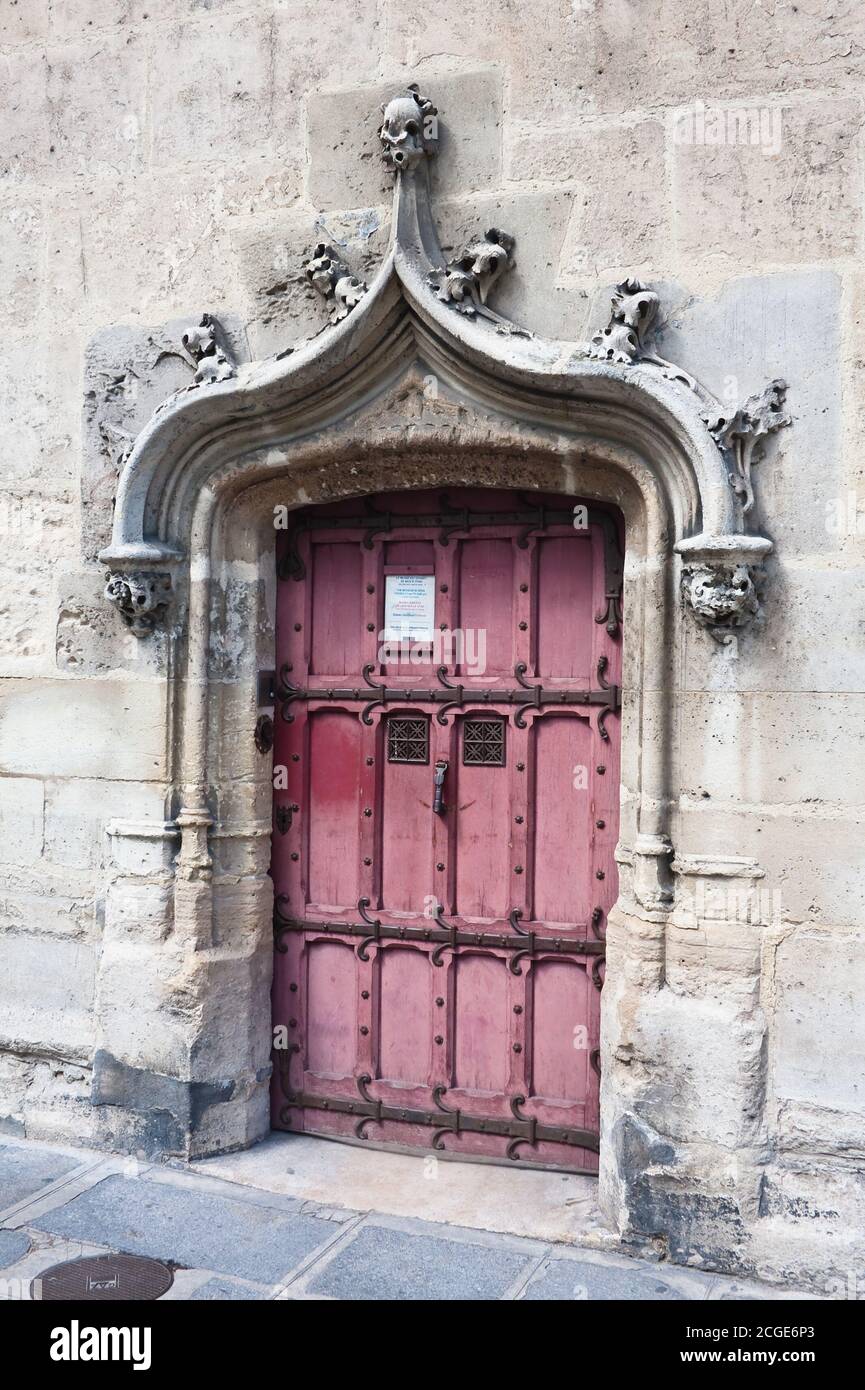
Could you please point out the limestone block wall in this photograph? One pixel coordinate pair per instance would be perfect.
(159, 158)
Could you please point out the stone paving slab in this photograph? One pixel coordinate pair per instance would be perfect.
(564, 1280)
(219, 1289)
(24, 1172)
(195, 1229)
(384, 1264)
(14, 1245)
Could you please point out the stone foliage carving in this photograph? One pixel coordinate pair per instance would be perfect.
(738, 434)
(721, 597)
(409, 131)
(627, 336)
(140, 598)
(466, 281)
(210, 351)
(330, 275)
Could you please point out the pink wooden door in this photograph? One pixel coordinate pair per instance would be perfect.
(445, 815)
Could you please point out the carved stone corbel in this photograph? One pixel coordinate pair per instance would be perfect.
(331, 277)
(140, 597)
(720, 581)
(739, 433)
(210, 351)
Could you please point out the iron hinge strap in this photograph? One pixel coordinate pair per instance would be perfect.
(528, 1130)
(446, 935)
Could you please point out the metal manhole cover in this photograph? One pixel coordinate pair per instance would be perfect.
(99, 1278)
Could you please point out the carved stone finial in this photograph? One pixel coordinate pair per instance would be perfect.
(466, 281)
(141, 599)
(210, 350)
(722, 597)
(330, 275)
(737, 434)
(409, 131)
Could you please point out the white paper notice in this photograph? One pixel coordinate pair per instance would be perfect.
(409, 607)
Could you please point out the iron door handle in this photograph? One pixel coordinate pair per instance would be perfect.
(439, 775)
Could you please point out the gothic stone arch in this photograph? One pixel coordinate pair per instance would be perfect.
(415, 382)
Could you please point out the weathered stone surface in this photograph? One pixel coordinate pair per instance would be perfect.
(51, 1008)
(23, 21)
(551, 59)
(26, 148)
(22, 801)
(118, 727)
(222, 93)
(620, 228)
(816, 1065)
(755, 204)
(97, 93)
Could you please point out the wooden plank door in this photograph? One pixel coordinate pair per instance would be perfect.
(445, 815)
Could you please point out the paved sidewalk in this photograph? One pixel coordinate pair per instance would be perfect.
(232, 1241)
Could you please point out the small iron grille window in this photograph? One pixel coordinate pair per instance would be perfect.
(484, 743)
(407, 740)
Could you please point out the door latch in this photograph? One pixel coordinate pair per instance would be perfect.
(438, 805)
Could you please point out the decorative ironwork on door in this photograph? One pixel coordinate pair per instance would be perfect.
(446, 822)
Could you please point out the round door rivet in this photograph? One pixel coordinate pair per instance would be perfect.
(295, 856)
(297, 627)
(367, 861)
(443, 588)
(293, 988)
(440, 1002)
(518, 1047)
(601, 769)
(443, 627)
(519, 820)
(367, 810)
(523, 627)
(599, 874)
(439, 1040)
(370, 761)
(521, 767)
(518, 1008)
(370, 588)
(295, 757)
(441, 868)
(524, 588)
(364, 994)
(518, 868)
(370, 627)
(364, 1030)
(600, 824)
(292, 1023)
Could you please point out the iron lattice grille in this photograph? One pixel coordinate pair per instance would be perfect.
(407, 740)
(484, 743)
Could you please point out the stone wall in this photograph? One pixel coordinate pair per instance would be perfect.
(160, 158)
